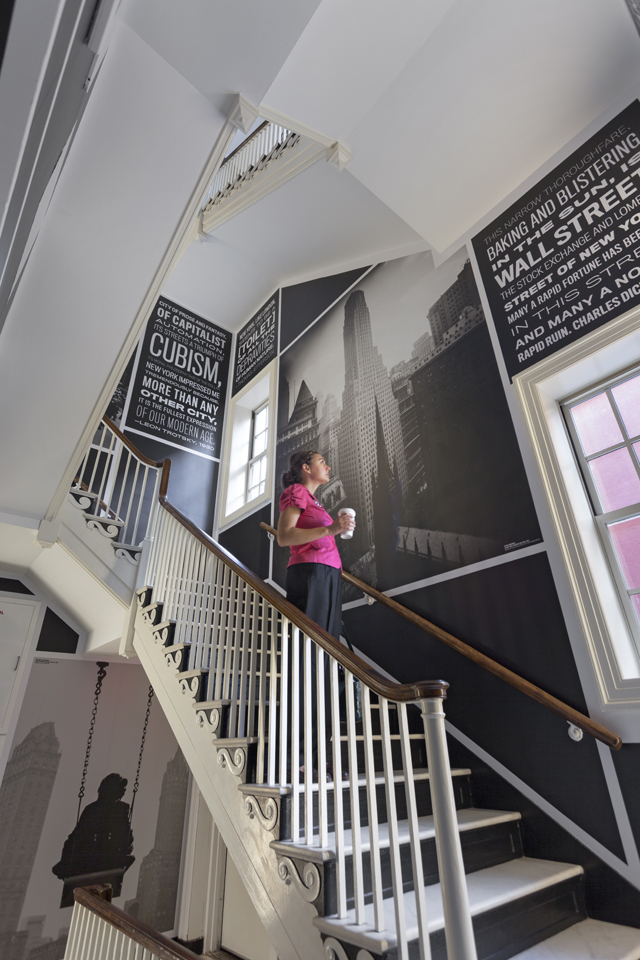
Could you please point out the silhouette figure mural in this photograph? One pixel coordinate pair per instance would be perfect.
(99, 848)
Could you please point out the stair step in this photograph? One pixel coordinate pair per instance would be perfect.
(127, 551)
(592, 939)
(276, 789)
(211, 704)
(488, 889)
(398, 777)
(469, 818)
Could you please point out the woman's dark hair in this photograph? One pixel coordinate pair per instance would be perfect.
(294, 473)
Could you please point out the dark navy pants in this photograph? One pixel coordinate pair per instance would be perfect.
(316, 590)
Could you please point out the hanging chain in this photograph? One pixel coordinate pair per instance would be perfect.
(102, 672)
(136, 783)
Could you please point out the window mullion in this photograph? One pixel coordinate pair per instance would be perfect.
(582, 461)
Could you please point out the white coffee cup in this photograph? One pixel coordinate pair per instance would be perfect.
(348, 533)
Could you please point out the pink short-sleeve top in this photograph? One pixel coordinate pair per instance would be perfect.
(313, 515)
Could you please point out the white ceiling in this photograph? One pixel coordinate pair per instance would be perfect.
(229, 277)
(222, 48)
(448, 106)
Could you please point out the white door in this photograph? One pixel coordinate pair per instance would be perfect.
(17, 623)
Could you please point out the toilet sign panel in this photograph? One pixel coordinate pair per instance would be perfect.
(565, 258)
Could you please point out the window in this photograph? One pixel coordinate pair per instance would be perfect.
(604, 425)
(257, 466)
(599, 611)
(247, 461)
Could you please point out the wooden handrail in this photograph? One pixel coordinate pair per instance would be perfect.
(120, 435)
(94, 899)
(163, 465)
(241, 146)
(379, 684)
(515, 680)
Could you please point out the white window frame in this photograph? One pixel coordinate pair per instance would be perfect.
(255, 457)
(605, 353)
(603, 517)
(237, 447)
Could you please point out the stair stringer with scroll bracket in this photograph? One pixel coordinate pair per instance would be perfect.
(286, 917)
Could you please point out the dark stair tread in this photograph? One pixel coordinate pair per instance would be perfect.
(469, 818)
(596, 939)
(488, 889)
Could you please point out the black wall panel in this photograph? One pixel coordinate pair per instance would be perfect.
(304, 302)
(627, 763)
(192, 482)
(511, 613)
(56, 636)
(609, 896)
(247, 541)
(13, 586)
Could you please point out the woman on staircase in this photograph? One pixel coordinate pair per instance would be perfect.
(313, 574)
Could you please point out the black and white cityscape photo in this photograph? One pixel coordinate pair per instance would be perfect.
(397, 386)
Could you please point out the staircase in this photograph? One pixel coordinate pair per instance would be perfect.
(331, 785)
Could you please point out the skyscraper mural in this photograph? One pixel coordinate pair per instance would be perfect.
(397, 386)
(24, 800)
(157, 892)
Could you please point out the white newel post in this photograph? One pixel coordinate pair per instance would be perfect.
(455, 899)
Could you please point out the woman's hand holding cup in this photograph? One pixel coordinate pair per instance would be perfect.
(345, 524)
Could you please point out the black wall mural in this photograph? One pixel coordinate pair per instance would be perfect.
(179, 385)
(170, 402)
(397, 386)
(256, 344)
(565, 258)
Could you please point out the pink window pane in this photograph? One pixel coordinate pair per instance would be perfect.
(596, 424)
(625, 537)
(627, 397)
(616, 479)
(635, 600)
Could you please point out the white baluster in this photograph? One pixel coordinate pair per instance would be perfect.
(394, 843)
(175, 563)
(296, 640)
(354, 777)
(226, 617)
(236, 646)
(321, 733)
(273, 692)
(140, 498)
(105, 474)
(96, 462)
(111, 486)
(285, 628)
(414, 834)
(184, 582)
(208, 590)
(252, 666)
(372, 808)
(338, 811)
(75, 930)
(262, 691)
(455, 899)
(308, 744)
(222, 572)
